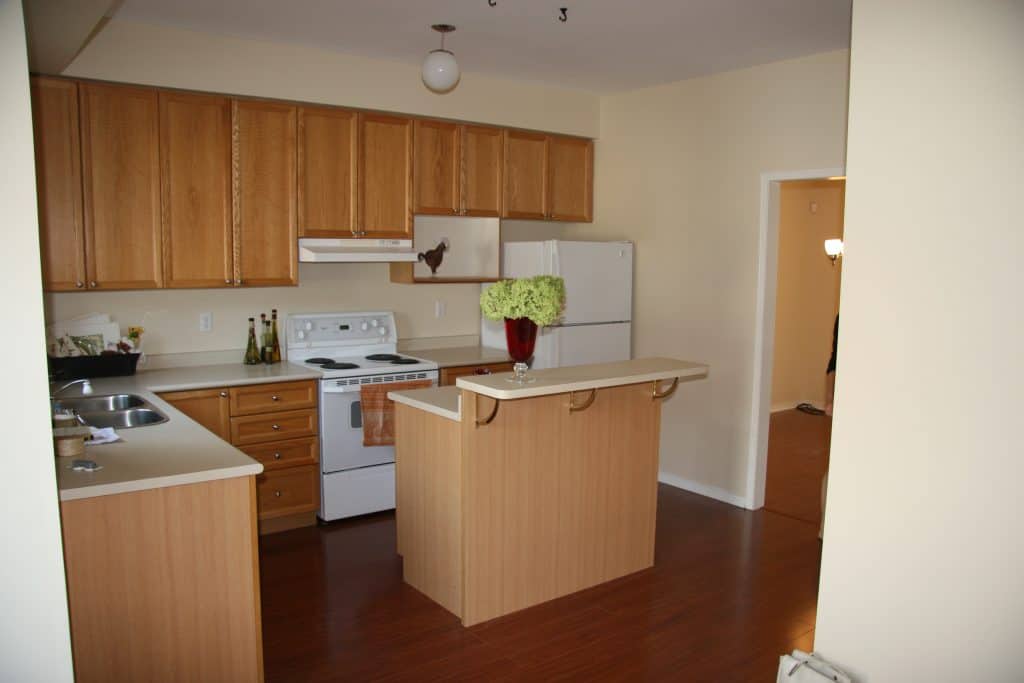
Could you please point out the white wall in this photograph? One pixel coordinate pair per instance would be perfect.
(34, 642)
(678, 171)
(922, 574)
(171, 57)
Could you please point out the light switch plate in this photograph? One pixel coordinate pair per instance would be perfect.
(205, 322)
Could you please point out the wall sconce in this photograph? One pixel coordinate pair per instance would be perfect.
(834, 249)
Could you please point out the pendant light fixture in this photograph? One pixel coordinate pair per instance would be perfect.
(440, 70)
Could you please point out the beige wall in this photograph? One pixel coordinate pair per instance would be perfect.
(807, 292)
(922, 575)
(34, 642)
(678, 171)
(170, 57)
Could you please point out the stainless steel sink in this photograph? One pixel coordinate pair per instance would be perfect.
(120, 411)
(99, 404)
(125, 419)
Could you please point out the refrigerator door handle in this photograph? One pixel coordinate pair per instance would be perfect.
(553, 267)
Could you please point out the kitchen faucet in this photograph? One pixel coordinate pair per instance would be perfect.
(86, 387)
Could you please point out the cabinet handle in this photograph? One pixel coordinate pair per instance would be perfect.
(223, 394)
(275, 427)
(228, 281)
(79, 284)
(277, 494)
(275, 398)
(238, 282)
(277, 456)
(92, 283)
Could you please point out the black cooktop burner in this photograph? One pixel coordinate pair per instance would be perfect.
(319, 361)
(383, 357)
(331, 365)
(404, 361)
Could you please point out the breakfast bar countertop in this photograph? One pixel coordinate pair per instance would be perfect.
(179, 451)
(582, 377)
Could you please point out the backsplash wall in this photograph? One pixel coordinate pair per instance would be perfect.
(171, 316)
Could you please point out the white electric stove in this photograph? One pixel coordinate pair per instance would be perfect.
(351, 350)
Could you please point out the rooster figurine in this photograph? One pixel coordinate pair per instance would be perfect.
(433, 257)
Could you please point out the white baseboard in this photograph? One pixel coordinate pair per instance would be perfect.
(703, 490)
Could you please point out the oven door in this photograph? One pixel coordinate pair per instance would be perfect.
(341, 431)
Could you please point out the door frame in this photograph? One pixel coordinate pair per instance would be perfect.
(764, 325)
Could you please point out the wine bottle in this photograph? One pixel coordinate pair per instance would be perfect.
(264, 348)
(275, 345)
(252, 352)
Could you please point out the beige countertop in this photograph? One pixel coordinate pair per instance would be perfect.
(443, 401)
(582, 377)
(176, 452)
(462, 355)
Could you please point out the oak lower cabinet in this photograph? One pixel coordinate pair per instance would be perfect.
(276, 424)
(59, 183)
(163, 584)
(548, 177)
(121, 186)
(449, 375)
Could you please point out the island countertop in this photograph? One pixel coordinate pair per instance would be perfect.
(179, 451)
(442, 401)
(582, 377)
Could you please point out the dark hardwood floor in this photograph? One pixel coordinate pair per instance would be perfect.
(730, 591)
(798, 448)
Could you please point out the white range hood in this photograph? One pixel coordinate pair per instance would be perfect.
(320, 250)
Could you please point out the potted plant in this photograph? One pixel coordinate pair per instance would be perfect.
(524, 304)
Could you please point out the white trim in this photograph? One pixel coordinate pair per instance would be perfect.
(701, 489)
(764, 325)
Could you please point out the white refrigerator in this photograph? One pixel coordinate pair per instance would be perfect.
(596, 325)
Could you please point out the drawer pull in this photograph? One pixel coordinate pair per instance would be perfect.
(275, 398)
(277, 494)
(275, 427)
(223, 394)
(277, 456)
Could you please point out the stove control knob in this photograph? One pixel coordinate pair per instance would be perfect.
(382, 331)
(308, 325)
(364, 327)
(373, 323)
(300, 334)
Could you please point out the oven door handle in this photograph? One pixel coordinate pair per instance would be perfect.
(344, 389)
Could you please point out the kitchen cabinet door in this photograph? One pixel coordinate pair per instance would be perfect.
(265, 195)
(327, 172)
(385, 176)
(483, 162)
(59, 183)
(195, 155)
(525, 184)
(436, 169)
(208, 407)
(121, 186)
(570, 178)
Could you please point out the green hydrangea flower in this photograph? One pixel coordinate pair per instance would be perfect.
(541, 299)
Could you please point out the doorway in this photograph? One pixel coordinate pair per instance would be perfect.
(806, 305)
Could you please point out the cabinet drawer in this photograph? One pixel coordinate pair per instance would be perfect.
(277, 454)
(273, 427)
(288, 491)
(264, 398)
(448, 375)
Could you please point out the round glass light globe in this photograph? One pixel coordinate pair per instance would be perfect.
(440, 71)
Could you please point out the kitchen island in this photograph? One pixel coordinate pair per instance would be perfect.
(511, 495)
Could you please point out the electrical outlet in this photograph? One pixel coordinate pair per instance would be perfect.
(440, 308)
(205, 322)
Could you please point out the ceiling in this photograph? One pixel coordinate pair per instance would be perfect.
(605, 46)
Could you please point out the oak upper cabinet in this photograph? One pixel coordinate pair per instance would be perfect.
(121, 186)
(195, 155)
(548, 177)
(264, 184)
(570, 178)
(327, 172)
(384, 182)
(59, 183)
(208, 407)
(526, 171)
(457, 169)
(436, 158)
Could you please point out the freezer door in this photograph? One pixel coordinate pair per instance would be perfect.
(598, 280)
(582, 344)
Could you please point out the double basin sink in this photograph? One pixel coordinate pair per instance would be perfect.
(120, 411)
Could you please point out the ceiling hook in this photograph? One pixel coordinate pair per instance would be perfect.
(563, 16)
(492, 3)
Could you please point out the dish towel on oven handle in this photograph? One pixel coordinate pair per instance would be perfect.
(801, 667)
(379, 411)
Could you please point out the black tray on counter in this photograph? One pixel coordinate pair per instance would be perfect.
(81, 367)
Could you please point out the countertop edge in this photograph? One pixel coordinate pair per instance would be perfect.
(404, 398)
(197, 477)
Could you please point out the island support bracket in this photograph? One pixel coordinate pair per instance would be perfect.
(490, 418)
(573, 408)
(655, 394)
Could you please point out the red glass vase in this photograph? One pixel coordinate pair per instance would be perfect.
(521, 337)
